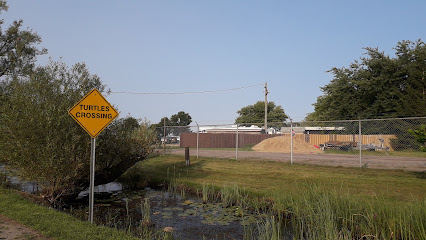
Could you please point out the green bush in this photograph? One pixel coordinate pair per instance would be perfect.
(44, 144)
(420, 136)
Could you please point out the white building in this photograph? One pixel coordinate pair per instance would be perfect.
(231, 129)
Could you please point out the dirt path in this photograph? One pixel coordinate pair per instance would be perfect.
(383, 162)
(10, 229)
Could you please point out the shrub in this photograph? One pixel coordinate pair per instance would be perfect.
(45, 145)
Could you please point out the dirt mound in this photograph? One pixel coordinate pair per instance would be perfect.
(282, 144)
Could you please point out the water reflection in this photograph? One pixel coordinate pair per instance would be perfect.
(187, 218)
(15, 182)
(105, 188)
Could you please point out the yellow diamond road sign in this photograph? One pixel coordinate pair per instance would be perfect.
(93, 112)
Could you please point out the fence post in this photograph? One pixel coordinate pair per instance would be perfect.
(187, 161)
(360, 145)
(291, 141)
(164, 136)
(198, 134)
(236, 145)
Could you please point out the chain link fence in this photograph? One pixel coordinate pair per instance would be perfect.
(357, 140)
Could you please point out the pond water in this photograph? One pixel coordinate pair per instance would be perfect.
(187, 218)
(156, 210)
(16, 183)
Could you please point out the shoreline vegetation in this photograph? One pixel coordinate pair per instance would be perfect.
(312, 202)
(317, 202)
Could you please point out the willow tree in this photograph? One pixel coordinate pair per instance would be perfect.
(44, 144)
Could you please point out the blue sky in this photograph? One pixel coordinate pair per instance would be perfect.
(184, 46)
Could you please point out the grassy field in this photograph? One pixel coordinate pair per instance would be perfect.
(52, 223)
(323, 202)
(265, 178)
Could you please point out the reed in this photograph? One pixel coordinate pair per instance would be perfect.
(206, 192)
(146, 212)
(320, 214)
(231, 195)
(316, 202)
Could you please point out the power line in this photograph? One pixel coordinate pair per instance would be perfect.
(196, 92)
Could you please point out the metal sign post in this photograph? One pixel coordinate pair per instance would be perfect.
(94, 113)
(92, 179)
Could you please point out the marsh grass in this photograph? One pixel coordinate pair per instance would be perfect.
(129, 220)
(233, 195)
(315, 202)
(207, 192)
(320, 214)
(146, 212)
(269, 228)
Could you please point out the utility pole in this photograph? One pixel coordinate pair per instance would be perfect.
(266, 107)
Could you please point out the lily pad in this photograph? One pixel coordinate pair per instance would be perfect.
(103, 204)
(188, 202)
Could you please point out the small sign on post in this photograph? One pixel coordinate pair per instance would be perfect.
(94, 113)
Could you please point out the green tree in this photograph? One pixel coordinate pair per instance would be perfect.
(18, 49)
(181, 121)
(377, 86)
(176, 124)
(42, 142)
(256, 114)
(159, 127)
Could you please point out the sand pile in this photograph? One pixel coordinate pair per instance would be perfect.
(282, 144)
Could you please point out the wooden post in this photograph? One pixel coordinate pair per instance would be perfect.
(187, 156)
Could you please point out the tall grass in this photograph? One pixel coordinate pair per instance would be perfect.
(146, 212)
(233, 195)
(313, 202)
(270, 227)
(320, 214)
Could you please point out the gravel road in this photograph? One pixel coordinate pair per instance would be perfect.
(383, 162)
